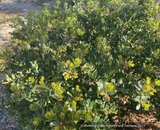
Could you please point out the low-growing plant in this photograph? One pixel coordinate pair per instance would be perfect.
(70, 67)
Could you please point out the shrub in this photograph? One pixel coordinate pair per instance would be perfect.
(69, 2)
(70, 67)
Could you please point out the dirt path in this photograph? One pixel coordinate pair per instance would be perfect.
(30, 5)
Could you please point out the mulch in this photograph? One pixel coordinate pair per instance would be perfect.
(136, 121)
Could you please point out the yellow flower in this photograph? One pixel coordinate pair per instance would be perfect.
(152, 3)
(151, 93)
(157, 7)
(60, 49)
(146, 106)
(71, 65)
(37, 121)
(148, 81)
(7, 37)
(74, 103)
(157, 83)
(147, 87)
(32, 106)
(59, 56)
(56, 128)
(68, 62)
(110, 87)
(130, 63)
(59, 91)
(77, 88)
(75, 74)
(36, 48)
(54, 52)
(77, 62)
(41, 81)
(66, 77)
(108, 48)
(56, 86)
(79, 97)
(63, 63)
(3, 61)
(42, 78)
(47, 47)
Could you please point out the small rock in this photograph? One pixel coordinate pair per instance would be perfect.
(12, 127)
(25, 10)
(24, 15)
(45, 4)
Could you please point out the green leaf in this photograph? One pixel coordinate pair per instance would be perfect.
(28, 46)
(44, 45)
(144, 98)
(42, 111)
(120, 81)
(27, 119)
(13, 76)
(69, 93)
(29, 99)
(8, 78)
(96, 119)
(100, 84)
(37, 112)
(113, 81)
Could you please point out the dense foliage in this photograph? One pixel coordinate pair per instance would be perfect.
(69, 67)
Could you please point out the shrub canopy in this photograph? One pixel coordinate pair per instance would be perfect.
(70, 66)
